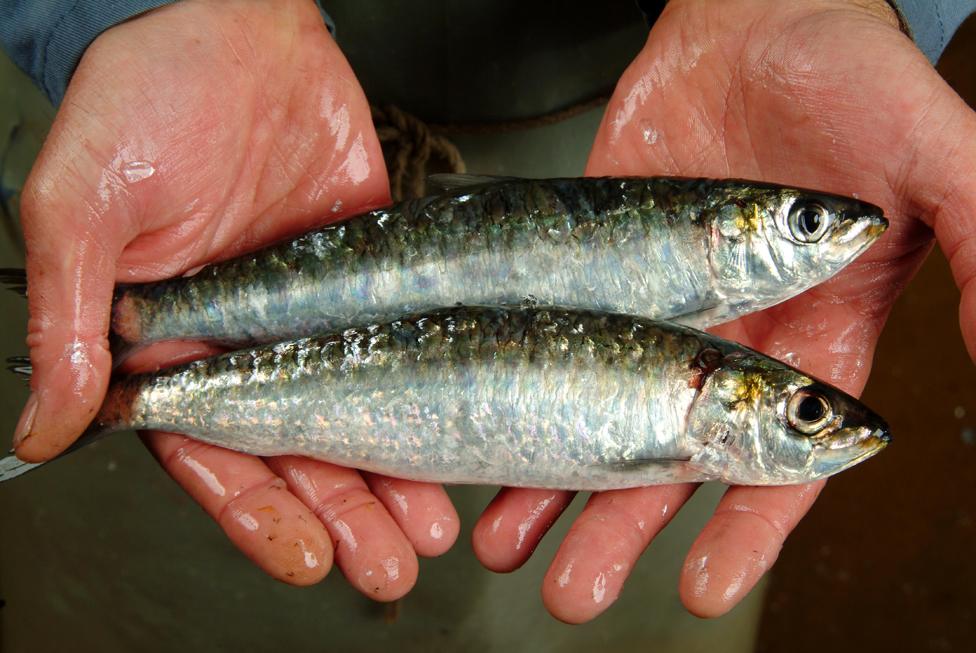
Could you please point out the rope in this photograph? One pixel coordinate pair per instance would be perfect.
(410, 144)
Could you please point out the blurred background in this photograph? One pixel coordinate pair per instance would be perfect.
(103, 552)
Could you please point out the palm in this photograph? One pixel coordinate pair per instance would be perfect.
(755, 108)
(230, 125)
(803, 94)
(249, 140)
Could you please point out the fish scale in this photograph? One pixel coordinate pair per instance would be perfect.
(699, 251)
(525, 396)
(530, 396)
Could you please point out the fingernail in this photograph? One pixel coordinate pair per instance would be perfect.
(26, 422)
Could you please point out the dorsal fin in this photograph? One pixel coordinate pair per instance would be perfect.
(440, 183)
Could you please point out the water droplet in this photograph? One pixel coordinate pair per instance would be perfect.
(563, 579)
(136, 171)
(648, 132)
(337, 206)
(599, 588)
(246, 520)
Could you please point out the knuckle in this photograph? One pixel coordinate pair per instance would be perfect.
(244, 492)
(340, 505)
(746, 514)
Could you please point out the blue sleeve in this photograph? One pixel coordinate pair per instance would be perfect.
(933, 22)
(46, 38)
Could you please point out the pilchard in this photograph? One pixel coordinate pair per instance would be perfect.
(518, 396)
(696, 251)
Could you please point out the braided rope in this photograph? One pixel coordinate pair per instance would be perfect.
(410, 144)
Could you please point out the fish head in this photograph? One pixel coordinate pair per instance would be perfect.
(759, 422)
(769, 242)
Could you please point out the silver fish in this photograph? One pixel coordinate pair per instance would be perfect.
(696, 251)
(526, 396)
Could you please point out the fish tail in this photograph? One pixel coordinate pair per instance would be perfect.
(11, 466)
(21, 366)
(14, 279)
(120, 348)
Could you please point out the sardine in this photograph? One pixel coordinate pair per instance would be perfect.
(519, 396)
(696, 251)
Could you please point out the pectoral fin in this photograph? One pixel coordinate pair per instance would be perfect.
(658, 471)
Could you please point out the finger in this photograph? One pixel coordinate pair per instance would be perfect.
(945, 197)
(423, 511)
(164, 354)
(252, 505)
(69, 291)
(372, 552)
(513, 524)
(75, 212)
(740, 543)
(601, 548)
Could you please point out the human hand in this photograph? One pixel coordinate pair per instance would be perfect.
(826, 94)
(192, 133)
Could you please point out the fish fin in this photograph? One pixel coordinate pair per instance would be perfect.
(21, 366)
(120, 349)
(15, 279)
(640, 463)
(704, 317)
(11, 467)
(667, 470)
(440, 183)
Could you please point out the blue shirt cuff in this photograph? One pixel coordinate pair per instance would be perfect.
(933, 22)
(46, 39)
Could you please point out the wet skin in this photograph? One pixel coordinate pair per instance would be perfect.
(824, 94)
(811, 94)
(299, 144)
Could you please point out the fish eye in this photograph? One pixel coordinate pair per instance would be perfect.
(808, 221)
(808, 411)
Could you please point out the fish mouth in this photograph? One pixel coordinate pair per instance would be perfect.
(876, 225)
(861, 230)
(845, 452)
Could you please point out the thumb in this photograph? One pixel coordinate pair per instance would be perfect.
(72, 212)
(943, 183)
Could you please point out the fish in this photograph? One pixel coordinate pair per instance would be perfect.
(695, 251)
(520, 396)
